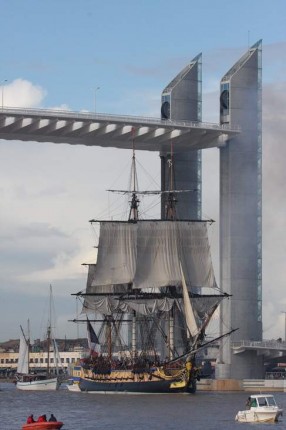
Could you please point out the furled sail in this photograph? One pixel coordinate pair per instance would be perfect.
(110, 305)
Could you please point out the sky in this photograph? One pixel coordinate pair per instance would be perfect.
(116, 58)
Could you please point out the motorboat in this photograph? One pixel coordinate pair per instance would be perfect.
(46, 425)
(260, 408)
(73, 384)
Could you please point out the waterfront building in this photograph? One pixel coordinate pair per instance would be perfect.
(39, 361)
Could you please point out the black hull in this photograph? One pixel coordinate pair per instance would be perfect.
(141, 387)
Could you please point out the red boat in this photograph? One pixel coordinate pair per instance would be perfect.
(45, 425)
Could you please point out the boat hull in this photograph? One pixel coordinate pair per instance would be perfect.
(139, 387)
(43, 426)
(74, 386)
(262, 416)
(39, 385)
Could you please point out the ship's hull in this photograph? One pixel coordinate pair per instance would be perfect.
(138, 387)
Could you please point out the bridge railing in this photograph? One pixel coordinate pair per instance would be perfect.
(67, 114)
(270, 344)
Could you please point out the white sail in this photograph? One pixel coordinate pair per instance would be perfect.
(189, 313)
(57, 357)
(147, 254)
(161, 245)
(116, 254)
(23, 360)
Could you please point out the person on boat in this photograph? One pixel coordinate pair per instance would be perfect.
(248, 402)
(42, 418)
(30, 419)
(53, 418)
(253, 403)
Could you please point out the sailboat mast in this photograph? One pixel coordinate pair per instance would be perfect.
(49, 331)
(28, 345)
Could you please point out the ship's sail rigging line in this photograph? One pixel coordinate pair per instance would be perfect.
(152, 271)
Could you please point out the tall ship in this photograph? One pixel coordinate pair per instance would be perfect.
(148, 301)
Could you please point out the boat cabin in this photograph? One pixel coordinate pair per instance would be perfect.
(260, 400)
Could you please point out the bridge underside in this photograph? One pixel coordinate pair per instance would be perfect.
(109, 130)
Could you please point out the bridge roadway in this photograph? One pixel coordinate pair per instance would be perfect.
(93, 129)
(268, 348)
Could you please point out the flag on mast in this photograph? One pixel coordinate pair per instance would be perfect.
(93, 342)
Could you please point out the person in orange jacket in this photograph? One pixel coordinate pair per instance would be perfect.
(30, 419)
(42, 419)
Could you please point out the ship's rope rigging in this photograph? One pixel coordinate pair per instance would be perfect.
(148, 330)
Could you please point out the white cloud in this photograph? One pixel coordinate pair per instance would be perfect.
(22, 93)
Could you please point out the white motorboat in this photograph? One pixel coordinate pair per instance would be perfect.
(73, 384)
(261, 408)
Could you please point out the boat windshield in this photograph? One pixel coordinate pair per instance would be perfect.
(271, 401)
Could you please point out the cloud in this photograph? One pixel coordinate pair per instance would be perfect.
(32, 248)
(274, 207)
(22, 93)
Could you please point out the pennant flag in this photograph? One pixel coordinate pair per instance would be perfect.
(93, 342)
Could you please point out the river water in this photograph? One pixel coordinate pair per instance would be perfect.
(83, 411)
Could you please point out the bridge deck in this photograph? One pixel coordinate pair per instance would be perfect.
(90, 129)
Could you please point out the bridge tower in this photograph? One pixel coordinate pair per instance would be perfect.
(240, 214)
(182, 100)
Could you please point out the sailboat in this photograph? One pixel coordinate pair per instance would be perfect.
(26, 380)
(145, 291)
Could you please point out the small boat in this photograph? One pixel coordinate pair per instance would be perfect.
(54, 425)
(25, 380)
(38, 383)
(261, 408)
(73, 384)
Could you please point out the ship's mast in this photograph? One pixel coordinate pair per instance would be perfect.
(133, 216)
(170, 213)
(134, 203)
